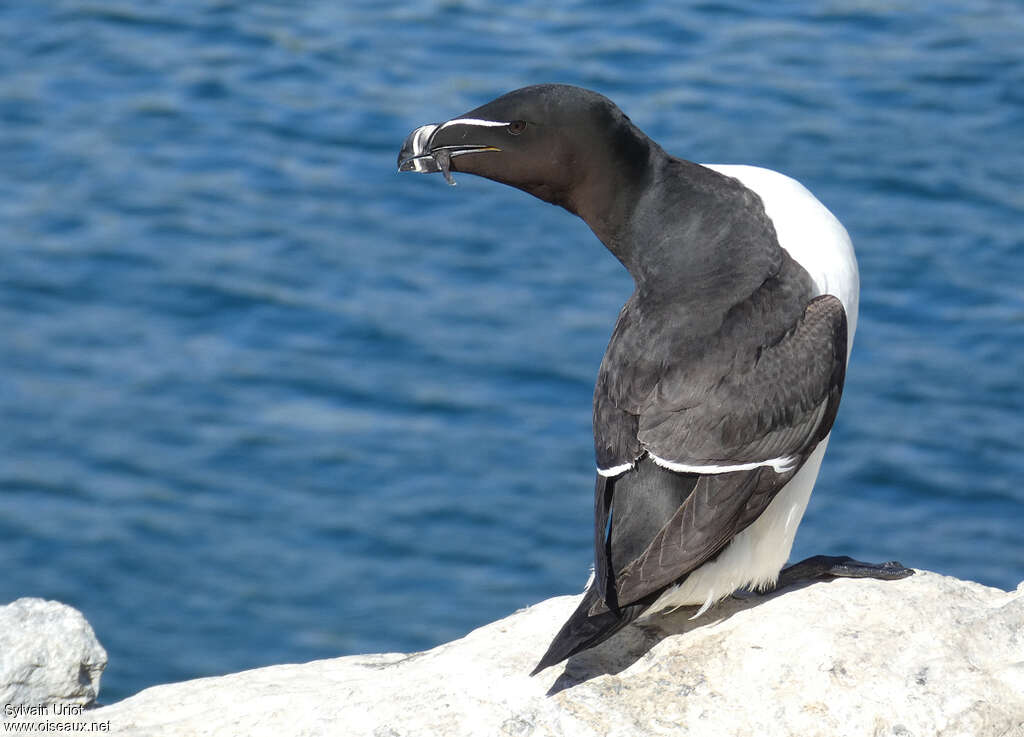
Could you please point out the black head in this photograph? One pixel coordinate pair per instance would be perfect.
(553, 141)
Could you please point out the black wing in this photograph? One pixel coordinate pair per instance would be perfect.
(750, 405)
(776, 406)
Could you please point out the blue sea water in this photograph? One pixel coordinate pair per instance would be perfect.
(263, 400)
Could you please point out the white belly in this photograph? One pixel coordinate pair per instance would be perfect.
(754, 557)
(817, 241)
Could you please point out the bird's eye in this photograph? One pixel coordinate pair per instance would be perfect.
(516, 127)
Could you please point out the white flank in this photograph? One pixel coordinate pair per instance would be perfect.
(780, 465)
(754, 557)
(473, 121)
(808, 231)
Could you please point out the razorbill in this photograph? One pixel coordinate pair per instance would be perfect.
(722, 378)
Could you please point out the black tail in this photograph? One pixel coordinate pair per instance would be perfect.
(582, 631)
(629, 511)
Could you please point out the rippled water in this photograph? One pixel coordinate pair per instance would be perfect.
(264, 400)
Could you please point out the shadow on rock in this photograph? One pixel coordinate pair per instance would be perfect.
(636, 640)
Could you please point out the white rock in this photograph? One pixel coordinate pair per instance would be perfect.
(48, 655)
(923, 657)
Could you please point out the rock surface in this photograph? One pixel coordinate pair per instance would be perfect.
(48, 655)
(925, 656)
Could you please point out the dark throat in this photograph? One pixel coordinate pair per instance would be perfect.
(685, 233)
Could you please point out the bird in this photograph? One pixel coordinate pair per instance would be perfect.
(716, 396)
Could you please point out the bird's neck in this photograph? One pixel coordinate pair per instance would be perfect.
(613, 188)
(683, 231)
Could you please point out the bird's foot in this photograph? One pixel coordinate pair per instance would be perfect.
(840, 566)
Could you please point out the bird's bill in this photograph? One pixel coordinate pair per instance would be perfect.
(430, 148)
(415, 154)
